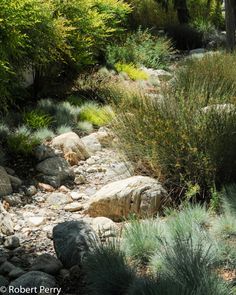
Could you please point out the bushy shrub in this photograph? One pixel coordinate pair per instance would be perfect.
(141, 239)
(22, 142)
(212, 76)
(108, 272)
(85, 126)
(37, 120)
(182, 138)
(43, 134)
(63, 129)
(131, 71)
(141, 48)
(95, 114)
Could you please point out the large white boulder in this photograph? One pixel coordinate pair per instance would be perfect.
(141, 195)
(69, 143)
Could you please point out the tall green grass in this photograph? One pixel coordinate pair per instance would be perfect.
(182, 138)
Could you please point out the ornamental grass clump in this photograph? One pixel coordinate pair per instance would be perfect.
(182, 137)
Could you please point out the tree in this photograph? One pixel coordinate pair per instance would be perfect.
(181, 8)
(230, 21)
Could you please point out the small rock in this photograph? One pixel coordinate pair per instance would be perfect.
(5, 184)
(91, 142)
(11, 242)
(15, 181)
(104, 227)
(72, 207)
(13, 200)
(6, 223)
(16, 273)
(58, 199)
(43, 152)
(36, 220)
(92, 170)
(47, 263)
(45, 187)
(80, 179)
(76, 195)
(6, 268)
(31, 191)
(3, 281)
(10, 171)
(63, 189)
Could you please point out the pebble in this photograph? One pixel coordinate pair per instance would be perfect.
(80, 179)
(45, 187)
(31, 191)
(36, 220)
(11, 242)
(72, 207)
(76, 195)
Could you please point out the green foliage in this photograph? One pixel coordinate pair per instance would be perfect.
(141, 239)
(93, 22)
(63, 129)
(22, 142)
(43, 134)
(141, 48)
(182, 139)
(95, 114)
(4, 131)
(37, 120)
(131, 71)
(229, 198)
(85, 126)
(107, 271)
(212, 76)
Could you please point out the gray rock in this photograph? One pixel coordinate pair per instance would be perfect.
(16, 273)
(43, 152)
(70, 142)
(11, 242)
(6, 224)
(5, 183)
(31, 191)
(72, 241)
(55, 171)
(141, 195)
(3, 281)
(58, 199)
(92, 143)
(197, 51)
(35, 280)
(16, 182)
(13, 200)
(47, 263)
(6, 267)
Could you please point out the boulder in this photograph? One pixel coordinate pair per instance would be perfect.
(141, 195)
(6, 224)
(15, 182)
(43, 152)
(55, 171)
(91, 142)
(5, 183)
(70, 143)
(72, 241)
(47, 263)
(36, 280)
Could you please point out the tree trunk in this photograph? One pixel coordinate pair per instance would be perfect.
(230, 21)
(182, 11)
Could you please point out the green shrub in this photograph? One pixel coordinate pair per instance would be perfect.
(131, 71)
(22, 142)
(63, 129)
(225, 226)
(182, 138)
(229, 199)
(107, 271)
(95, 114)
(141, 239)
(141, 48)
(85, 126)
(43, 134)
(212, 76)
(37, 120)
